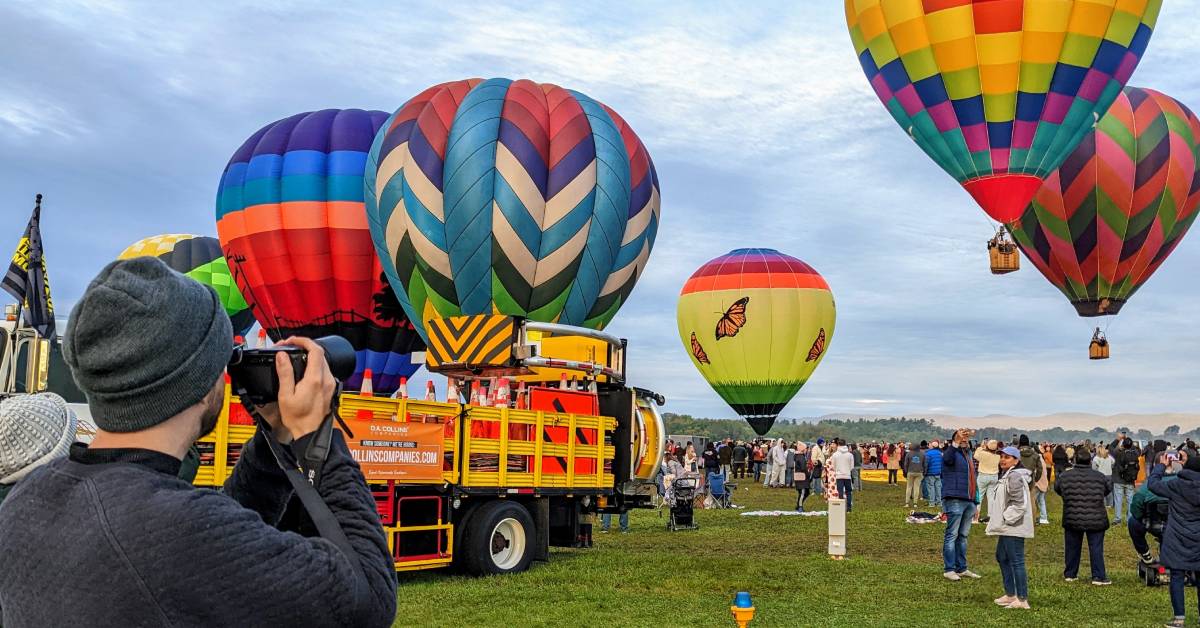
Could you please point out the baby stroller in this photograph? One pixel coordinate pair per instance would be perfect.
(720, 491)
(680, 498)
(1154, 574)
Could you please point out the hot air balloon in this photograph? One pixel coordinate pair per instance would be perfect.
(290, 218)
(512, 197)
(200, 258)
(998, 92)
(1119, 205)
(756, 324)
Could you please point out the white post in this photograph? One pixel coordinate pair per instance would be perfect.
(837, 528)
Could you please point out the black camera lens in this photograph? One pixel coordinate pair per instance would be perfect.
(252, 372)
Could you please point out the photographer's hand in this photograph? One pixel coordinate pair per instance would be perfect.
(303, 405)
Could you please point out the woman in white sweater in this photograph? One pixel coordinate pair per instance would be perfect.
(1011, 523)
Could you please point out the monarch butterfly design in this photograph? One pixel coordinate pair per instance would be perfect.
(698, 351)
(818, 346)
(733, 319)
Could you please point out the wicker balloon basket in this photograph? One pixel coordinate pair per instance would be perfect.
(1098, 349)
(1002, 253)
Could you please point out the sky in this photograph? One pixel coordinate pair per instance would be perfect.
(760, 122)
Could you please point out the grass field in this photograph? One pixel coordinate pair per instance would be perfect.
(652, 577)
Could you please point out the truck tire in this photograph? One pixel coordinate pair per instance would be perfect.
(499, 539)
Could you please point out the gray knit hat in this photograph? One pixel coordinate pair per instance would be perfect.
(34, 429)
(144, 343)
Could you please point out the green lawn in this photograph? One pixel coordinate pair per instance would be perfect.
(652, 577)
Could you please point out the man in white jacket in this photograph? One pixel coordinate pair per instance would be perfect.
(778, 463)
(843, 466)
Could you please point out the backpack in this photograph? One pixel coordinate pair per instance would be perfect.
(1127, 466)
(1031, 462)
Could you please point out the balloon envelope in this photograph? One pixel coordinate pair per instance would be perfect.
(512, 197)
(1119, 205)
(998, 92)
(200, 258)
(756, 324)
(290, 218)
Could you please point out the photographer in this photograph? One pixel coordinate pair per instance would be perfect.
(111, 537)
(1181, 538)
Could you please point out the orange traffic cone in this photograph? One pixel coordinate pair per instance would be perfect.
(430, 391)
(452, 394)
(522, 397)
(262, 339)
(502, 393)
(368, 386)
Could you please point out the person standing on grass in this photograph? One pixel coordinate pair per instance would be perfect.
(1125, 473)
(1083, 490)
(1181, 538)
(856, 474)
(933, 475)
(817, 459)
(959, 490)
(987, 456)
(1011, 522)
(843, 473)
(913, 467)
(892, 463)
(1059, 456)
(769, 461)
(778, 463)
(756, 455)
(725, 455)
(800, 477)
(1103, 463)
(789, 466)
(739, 457)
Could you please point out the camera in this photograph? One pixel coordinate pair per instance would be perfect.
(253, 370)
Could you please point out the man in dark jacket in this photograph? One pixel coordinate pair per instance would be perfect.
(1181, 540)
(740, 455)
(913, 468)
(1125, 474)
(725, 455)
(1083, 490)
(109, 536)
(958, 498)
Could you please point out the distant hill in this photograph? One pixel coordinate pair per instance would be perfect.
(1156, 423)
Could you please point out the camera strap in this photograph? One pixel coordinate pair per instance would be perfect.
(304, 481)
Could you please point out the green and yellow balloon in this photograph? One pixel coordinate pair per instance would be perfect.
(200, 258)
(756, 324)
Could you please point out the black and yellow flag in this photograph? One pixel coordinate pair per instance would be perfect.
(26, 278)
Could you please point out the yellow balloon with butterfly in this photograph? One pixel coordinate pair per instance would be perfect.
(756, 323)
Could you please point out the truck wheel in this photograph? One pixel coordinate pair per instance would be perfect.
(498, 539)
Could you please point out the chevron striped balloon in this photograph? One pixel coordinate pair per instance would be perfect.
(513, 197)
(1120, 203)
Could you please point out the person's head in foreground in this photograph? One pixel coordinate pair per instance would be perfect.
(134, 545)
(34, 430)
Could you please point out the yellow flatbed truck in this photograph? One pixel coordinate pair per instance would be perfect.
(491, 489)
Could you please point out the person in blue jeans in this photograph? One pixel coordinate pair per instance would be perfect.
(933, 475)
(1181, 537)
(622, 520)
(958, 479)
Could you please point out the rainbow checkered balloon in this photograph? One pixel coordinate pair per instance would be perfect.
(1119, 204)
(999, 92)
(514, 197)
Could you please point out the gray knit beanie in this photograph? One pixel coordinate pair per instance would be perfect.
(144, 343)
(34, 430)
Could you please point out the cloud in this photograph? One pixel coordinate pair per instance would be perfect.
(761, 125)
